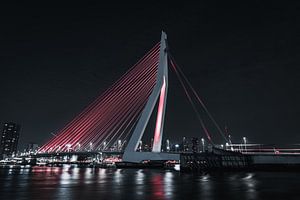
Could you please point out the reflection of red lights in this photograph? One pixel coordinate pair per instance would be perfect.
(171, 162)
(157, 185)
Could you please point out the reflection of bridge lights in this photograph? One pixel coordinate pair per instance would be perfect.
(168, 182)
(140, 178)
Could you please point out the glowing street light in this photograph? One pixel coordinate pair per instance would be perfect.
(91, 146)
(119, 145)
(78, 144)
(176, 147)
(203, 142)
(226, 145)
(245, 143)
(168, 144)
(140, 145)
(104, 145)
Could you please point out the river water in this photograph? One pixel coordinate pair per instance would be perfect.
(87, 183)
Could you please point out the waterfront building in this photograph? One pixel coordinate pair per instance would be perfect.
(9, 139)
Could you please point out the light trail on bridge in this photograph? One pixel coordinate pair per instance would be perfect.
(111, 116)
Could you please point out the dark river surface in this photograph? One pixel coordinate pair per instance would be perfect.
(88, 183)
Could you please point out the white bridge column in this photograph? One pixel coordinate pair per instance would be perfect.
(160, 90)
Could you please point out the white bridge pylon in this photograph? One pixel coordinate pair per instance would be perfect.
(159, 92)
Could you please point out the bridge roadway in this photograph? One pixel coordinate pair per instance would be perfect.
(78, 153)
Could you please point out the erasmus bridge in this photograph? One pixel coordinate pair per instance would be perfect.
(120, 115)
(115, 122)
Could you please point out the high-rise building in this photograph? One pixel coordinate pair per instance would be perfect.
(9, 139)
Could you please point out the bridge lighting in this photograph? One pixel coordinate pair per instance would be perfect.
(245, 143)
(91, 146)
(104, 145)
(229, 139)
(68, 147)
(168, 144)
(153, 66)
(119, 145)
(140, 145)
(222, 146)
(176, 147)
(226, 145)
(203, 142)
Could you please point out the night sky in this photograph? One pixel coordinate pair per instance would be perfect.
(243, 59)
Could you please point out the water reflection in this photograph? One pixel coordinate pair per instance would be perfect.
(250, 184)
(168, 184)
(90, 183)
(205, 186)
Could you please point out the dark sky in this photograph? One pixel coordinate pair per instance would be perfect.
(243, 59)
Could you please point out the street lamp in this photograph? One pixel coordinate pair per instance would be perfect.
(91, 146)
(245, 142)
(176, 147)
(104, 145)
(202, 141)
(226, 145)
(78, 144)
(229, 139)
(140, 145)
(168, 145)
(119, 145)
